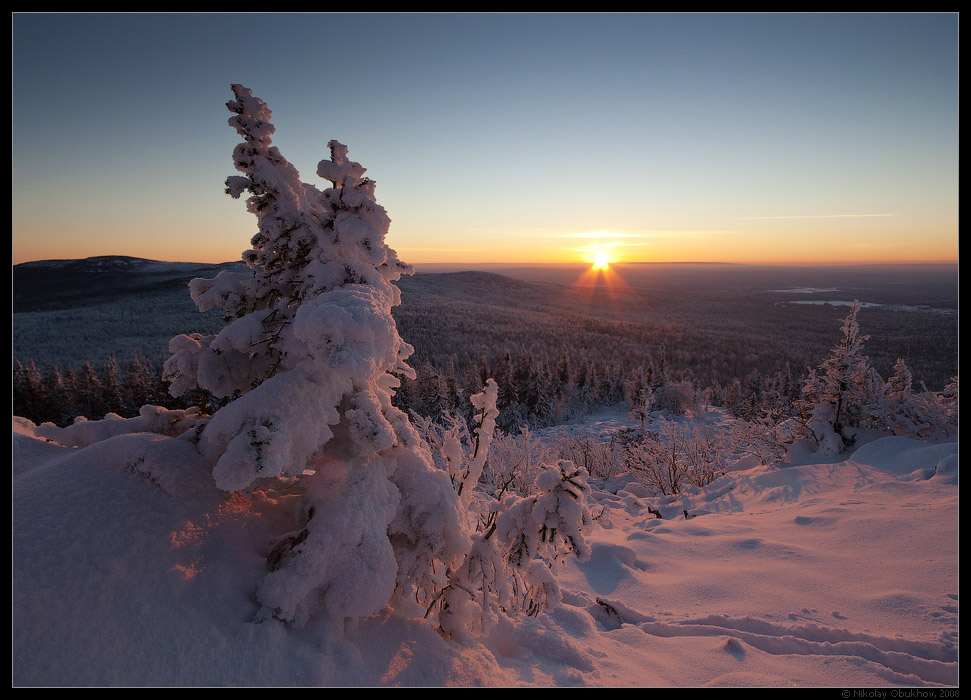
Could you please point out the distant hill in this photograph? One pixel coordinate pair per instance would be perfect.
(48, 285)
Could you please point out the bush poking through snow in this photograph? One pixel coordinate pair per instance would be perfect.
(680, 455)
(519, 534)
(599, 455)
(760, 438)
(510, 570)
(514, 461)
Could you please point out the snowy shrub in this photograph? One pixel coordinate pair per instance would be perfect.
(465, 472)
(307, 361)
(709, 452)
(947, 403)
(458, 451)
(600, 456)
(679, 455)
(445, 437)
(679, 398)
(510, 570)
(519, 532)
(762, 439)
(514, 461)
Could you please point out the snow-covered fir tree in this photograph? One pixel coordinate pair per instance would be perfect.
(29, 393)
(948, 404)
(837, 394)
(641, 406)
(915, 414)
(309, 358)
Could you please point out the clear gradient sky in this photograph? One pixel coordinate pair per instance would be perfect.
(501, 138)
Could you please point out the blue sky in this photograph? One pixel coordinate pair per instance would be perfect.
(501, 138)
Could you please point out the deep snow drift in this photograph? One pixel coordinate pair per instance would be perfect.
(135, 570)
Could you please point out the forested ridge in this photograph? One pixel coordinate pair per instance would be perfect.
(579, 346)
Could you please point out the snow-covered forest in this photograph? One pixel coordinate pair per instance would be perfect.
(705, 326)
(313, 502)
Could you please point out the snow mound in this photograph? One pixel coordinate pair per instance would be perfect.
(904, 457)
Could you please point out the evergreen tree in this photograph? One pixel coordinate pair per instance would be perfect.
(430, 396)
(836, 395)
(140, 386)
(907, 413)
(91, 393)
(947, 402)
(544, 411)
(642, 406)
(29, 393)
(61, 408)
(309, 356)
(111, 391)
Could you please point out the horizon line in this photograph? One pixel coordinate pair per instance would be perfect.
(576, 263)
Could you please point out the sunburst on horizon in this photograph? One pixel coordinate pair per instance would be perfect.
(601, 260)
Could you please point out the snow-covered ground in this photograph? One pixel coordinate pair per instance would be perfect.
(811, 573)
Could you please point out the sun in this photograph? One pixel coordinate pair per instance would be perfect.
(601, 261)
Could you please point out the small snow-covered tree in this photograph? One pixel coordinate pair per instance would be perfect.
(642, 403)
(835, 396)
(916, 414)
(308, 358)
(902, 412)
(308, 366)
(948, 405)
